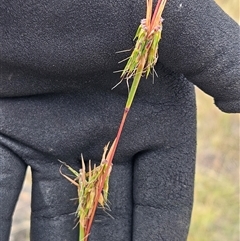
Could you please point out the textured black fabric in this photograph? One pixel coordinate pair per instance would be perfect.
(57, 62)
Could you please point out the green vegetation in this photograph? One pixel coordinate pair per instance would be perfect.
(215, 216)
(216, 207)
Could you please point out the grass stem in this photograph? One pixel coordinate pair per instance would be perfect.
(93, 185)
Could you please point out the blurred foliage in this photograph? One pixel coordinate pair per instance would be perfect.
(216, 207)
(215, 216)
(216, 200)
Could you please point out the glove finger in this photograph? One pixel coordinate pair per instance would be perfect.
(116, 224)
(12, 174)
(53, 211)
(163, 194)
(202, 42)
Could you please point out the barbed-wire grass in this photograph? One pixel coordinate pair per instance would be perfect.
(93, 184)
(88, 184)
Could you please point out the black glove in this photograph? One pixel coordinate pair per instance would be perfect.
(57, 62)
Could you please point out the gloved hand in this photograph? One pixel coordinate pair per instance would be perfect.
(57, 62)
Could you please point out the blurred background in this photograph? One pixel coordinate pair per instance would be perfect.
(216, 207)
